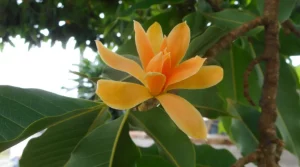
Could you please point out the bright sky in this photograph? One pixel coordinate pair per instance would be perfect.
(44, 68)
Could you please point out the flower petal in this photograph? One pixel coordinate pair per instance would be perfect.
(120, 63)
(121, 95)
(206, 77)
(155, 36)
(155, 82)
(184, 114)
(143, 44)
(178, 41)
(185, 70)
(156, 63)
(166, 69)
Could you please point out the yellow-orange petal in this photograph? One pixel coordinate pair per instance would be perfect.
(155, 82)
(120, 63)
(185, 70)
(206, 77)
(163, 44)
(155, 36)
(178, 41)
(121, 95)
(184, 114)
(166, 69)
(143, 45)
(155, 64)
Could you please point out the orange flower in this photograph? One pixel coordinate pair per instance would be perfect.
(162, 71)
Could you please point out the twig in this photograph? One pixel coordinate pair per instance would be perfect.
(289, 26)
(247, 159)
(246, 77)
(215, 6)
(231, 36)
(268, 115)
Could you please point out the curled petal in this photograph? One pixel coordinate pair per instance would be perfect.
(184, 114)
(143, 45)
(155, 36)
(206, 77)
(156, 63)
(121, 95)
(178, 41)
(120, 63)
(185, 70)
(155, 82)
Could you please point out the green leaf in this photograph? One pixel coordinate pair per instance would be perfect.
(288, 108)
(232, 18)
(201, 43)
(196, 22)
(289, 43)
(158, 125)
(152, 161)
(145, 4)
(209, 156)
(286, 8)
(235, 62)
(207, 101)
(244, 130)
(152, 150)
(54, 147)
(107, 146)
(24, 112)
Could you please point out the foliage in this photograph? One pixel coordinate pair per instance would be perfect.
(82, 132)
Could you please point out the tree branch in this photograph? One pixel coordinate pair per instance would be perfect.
(268, 116)
(246, 77)
(290, 27)
(231, 36)
(247, 159)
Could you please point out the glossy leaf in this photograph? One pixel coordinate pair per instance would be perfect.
(152, 161)
(206, 155)
(285, 8)
(54, 147)
(105, 146)
(243, 130)
(288, 108)
(163, 131)
(289, 43)
(232, 18)
(207, 101)
(196, 22)
(201, 43)
(24, 112)
(144, 4)
(235, 62)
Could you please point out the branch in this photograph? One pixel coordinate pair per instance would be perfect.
(247, 159)
(246, 77)
(289, 26)
(268, 115)
(231, 36)
(215, 6)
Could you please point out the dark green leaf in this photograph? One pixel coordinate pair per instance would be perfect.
(211, 157)
(201, 43)
(235, 62)
(243, 130)
(27, 111)
(106, 146)
(289, 43)
(152, 161)
(196, 22)
(207, 101)
(172, 141)
(152, 150)
(288, 108)
(145, 4)
(54, 147)
(232, 18)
